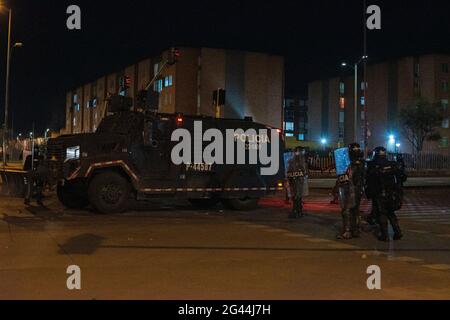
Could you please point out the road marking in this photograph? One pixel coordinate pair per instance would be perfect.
(418, 231)
(404, 259)
(258, 226)
(319, 240)
(342, 246)
(241, 222)
(275, 230)
(296, 235)
(437, 266)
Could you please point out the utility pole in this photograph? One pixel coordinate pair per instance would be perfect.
(366, 129)
(5, 125)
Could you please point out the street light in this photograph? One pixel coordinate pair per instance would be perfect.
(355, 111)
(8, 60)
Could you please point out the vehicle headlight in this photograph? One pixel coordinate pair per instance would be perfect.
(73, 153)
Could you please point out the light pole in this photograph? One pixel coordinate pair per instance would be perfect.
(8, 60)
(355, 106)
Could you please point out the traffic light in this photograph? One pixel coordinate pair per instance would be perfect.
(174, 55)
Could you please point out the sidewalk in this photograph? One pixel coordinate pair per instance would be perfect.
(412, 182)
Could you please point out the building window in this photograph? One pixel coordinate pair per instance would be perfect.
(158, 85)
(444, 85)
(289, 126)
(301, 137)
(75, 98)
(289, 134)
(416, 69)
(77, 107)
(341, 117)
(74, 121)
(445, 123)
(416, 85)
(363, 100)
(94, 102)
(168, 81)
(444, 142)
(444, 103)
(342, 102)
(88, 104)
(341, 87)
(445, 67)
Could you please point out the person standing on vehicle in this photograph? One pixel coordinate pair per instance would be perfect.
(384, 186)
(297, 175)
(350, 186)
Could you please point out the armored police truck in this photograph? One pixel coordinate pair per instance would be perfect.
(142, 155)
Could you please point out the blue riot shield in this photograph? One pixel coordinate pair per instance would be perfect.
(342, 160)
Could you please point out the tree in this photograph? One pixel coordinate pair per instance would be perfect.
(420, 121)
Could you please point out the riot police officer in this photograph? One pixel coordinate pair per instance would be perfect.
(34, 178)
(350, 186)
(297, 174)
(384, 186)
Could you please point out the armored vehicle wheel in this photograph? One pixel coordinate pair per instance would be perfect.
(72, 195)
(204, 203)
(109, 192)
(241, 204)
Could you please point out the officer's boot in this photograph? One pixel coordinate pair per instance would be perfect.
(299, 208)
(383, 234)
(355, 225)
(396, 227)
(346, 230)
(293, 213)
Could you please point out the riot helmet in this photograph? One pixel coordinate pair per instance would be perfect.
(379, 152)
(355, 152)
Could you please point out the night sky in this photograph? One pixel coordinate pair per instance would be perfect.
(314, 36)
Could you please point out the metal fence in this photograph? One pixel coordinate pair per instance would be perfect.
(424, 162)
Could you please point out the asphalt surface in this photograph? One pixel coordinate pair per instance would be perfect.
(168, 250)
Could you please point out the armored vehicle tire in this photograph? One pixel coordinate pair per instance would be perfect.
(241, 204)
(109, 192)
(204, 203)
(72, 195)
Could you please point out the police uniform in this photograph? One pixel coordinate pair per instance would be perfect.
(350, 187)
(297, 175)
(34, 179)
(385, 187)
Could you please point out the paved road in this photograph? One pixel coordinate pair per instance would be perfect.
(412, 182)
(168, 250)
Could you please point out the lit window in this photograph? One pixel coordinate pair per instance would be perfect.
(444, 142)
(444, 85)
(170, 80)
(75, 98)
(77, 107)
(363, 100)
(74, 121)
(94, 103)
(289, 126)
(341, 117)
(166, 81)
(88, 104)
(445, 123)
(301, 137)
(341, 87)
(342, 102)
(289, 134)
(444, 103)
